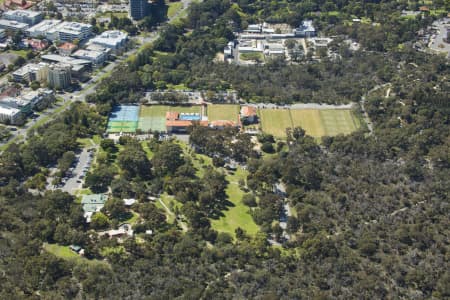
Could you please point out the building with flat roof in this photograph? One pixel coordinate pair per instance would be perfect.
(95, 57)
(24, 16)
(69, 31)
(31, 72)
(2, 34)
(13, 25)
(113, 39)
(23, 105)
(306, 29)
(92, 204)
(138, 9)
(37, 97)
(41, 29)
(10, 115)
(59, 76)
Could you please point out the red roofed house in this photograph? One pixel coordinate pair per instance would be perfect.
(67, 48)
(12, 4)
(172, 115)
(248, 114)
(175, 125)
(35, 44)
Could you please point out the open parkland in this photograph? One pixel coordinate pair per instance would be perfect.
(317, 122)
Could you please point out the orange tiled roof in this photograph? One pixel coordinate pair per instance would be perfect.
(172, 115)
(184, 123)
(248, 111)
(67, 46)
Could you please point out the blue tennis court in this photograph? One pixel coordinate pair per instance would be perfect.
(122, 113)
(190, 117)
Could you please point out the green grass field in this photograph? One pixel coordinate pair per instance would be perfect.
(154, 117)
(338, 122)
(65, 253)
(237, 215)
(310, 120)
(275, 121)
(316, 123)
(223, 112)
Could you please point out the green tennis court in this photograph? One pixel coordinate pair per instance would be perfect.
(124, 126)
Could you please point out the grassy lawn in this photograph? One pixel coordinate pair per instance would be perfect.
(174, 7)
(134, 218)
(316, 123)
(309, 120)
(254, 56)
(223, 112)
(237, 215)
(65, 253)
(177, 87)
(339, 121)
(167, 203)
(147, 150)
(275, 121)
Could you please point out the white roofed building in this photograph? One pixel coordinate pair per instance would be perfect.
(12, 25)
(24, 16)
(96, 57)
(113, 39)
(10, 115)
(43, 29)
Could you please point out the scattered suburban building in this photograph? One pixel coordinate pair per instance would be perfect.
(262, 41)
(63, 31)
(31, 72)
(68, 31)
(112, 39)
(92, 204)
(10, 115)
(41, 29)
(305, 30)
(129, 202)
(95, 57)
(59, 76)
(13, 110)
(77, 65)
(23, 16)
(13, 25)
